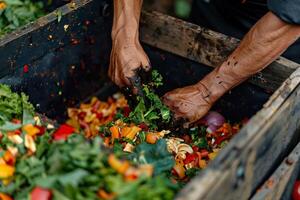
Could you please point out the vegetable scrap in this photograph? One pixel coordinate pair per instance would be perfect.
(17, 13)
(106, 149)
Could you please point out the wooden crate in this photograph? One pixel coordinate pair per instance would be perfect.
(68, 62)
(280, 185)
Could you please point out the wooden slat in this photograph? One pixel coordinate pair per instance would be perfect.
(280, 184)
(205, 46)
(242, 166)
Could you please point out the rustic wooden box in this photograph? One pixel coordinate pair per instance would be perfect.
(68, 63)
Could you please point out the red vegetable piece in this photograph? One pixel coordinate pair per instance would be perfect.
(42, 130)
(63, 132)
(195, 148)
(296, 191)
(204, 153)
(16, 121)
(190, 158)
(25, 68)
(99, 115)
(18, 132)
(39, 193)
(126, 111)
(96, 107)
(144, 127)
(81, 115)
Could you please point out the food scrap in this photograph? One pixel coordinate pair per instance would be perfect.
(105, 150)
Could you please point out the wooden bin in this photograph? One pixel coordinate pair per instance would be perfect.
(68, 62)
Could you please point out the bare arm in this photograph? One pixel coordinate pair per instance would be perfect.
(265, 42)
(127, 54)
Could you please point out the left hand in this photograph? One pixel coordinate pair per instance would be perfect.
(191, 102)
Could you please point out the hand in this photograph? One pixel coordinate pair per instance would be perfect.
(127, 57)
(191, 102)
(127, 54)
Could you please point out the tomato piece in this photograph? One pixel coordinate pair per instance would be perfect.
(39, 193)
(296, 191)
(63, 132)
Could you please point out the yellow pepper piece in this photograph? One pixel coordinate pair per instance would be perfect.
(118, 165)
(29, 143)
(202, 164)
(212, 156)
(133, 132)
(31, 130)
(6, 171)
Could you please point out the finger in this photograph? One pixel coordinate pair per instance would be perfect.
(117, 76)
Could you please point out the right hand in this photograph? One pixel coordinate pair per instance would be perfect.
(127, 56)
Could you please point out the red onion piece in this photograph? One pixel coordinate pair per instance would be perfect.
(214, 120)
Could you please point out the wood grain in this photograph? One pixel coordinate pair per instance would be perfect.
(205, 46)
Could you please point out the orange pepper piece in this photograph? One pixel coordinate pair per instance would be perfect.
(31, 130)
(9, 158)
(5, 197)
(104, 195)
(152, 138)
(115, 134)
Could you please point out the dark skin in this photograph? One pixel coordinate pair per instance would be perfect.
(265, 42)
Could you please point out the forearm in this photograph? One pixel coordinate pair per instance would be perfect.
(126, 18)
(265, 42)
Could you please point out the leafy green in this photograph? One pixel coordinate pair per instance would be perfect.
(155, 154)
(13, 105)
(150, 109)
(16, 13)
(78, 168)
(199, 137)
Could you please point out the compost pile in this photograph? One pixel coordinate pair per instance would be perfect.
(17, 13)
(106, 150)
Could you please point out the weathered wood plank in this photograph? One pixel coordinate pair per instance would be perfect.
(243, 165)
(282, 179)
(205, 46)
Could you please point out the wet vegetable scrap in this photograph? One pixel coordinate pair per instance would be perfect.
(106, 150)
